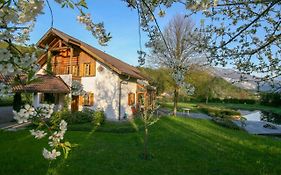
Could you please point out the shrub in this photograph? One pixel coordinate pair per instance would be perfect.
(71, 117)
(218, 112)
(58, 116)
(98, 118)
(6, 101)
(271, 99)
(79, 117)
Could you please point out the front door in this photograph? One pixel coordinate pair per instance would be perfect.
(74, 103)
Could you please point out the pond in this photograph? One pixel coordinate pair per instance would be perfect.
(261, 116)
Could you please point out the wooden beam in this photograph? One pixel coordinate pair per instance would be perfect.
(59, 48)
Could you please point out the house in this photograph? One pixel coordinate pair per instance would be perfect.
(110, 84)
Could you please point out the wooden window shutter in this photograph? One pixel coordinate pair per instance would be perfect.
(93, 69)
(91, 99)
(131, 99)
(81, 70)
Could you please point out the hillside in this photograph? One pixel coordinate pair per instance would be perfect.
(249, 82)
(207, 85)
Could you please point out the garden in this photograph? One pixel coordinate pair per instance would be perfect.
(176, 146)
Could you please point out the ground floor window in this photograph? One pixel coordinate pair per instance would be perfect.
(89, 99)
(131, 99)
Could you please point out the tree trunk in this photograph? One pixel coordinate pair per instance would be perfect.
(176, 94)
(207, 99)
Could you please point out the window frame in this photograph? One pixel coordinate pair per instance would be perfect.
(87, 72)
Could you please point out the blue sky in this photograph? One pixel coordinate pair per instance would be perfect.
(119, 20)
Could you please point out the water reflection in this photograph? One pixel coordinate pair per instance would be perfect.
(261, 116)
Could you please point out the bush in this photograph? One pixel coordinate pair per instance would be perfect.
(6, 101)
(218, 112)
(271, 99)
(60, 115)
(98, 118)
(71, 117)
(79, 117)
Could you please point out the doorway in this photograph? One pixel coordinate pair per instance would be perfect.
(74, 103)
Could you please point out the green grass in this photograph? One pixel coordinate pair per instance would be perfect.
(179, 146)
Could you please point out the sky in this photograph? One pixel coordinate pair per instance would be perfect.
(119, 20)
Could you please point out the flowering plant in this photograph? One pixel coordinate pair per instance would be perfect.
(56, 134)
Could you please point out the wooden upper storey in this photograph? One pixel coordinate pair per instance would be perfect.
(68, 59)
(80, 51)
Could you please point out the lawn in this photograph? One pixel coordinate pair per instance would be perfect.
(193, 106)
(179, 146)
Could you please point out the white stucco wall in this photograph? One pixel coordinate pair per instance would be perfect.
(105, 86)
(127, 87)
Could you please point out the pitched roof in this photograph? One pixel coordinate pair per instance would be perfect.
(115, 64)
(43, 83)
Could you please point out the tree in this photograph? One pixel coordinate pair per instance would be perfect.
(182, 53)
(249, 37)
(245, 34)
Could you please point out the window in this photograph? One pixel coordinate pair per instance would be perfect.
(67, 70)
(89, 99)
(131, 99)
(75, 70)
(87, 69)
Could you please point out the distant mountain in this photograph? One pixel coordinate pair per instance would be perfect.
(245, 81)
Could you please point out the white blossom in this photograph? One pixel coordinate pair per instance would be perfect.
(55, 138)
(51, 155)
(24, 114)
(63, 126)
(38, 134)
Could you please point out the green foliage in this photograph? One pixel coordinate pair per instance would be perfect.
(207, 87)
(71, 117)
(24, 49)
(99, 117)
(271, 99)
(17, 102)
(49, 66)
(218, 112)
(6, 101)
(160, 78)
(79, 117)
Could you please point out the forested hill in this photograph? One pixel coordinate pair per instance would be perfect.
(206, 84)
(23, 49)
